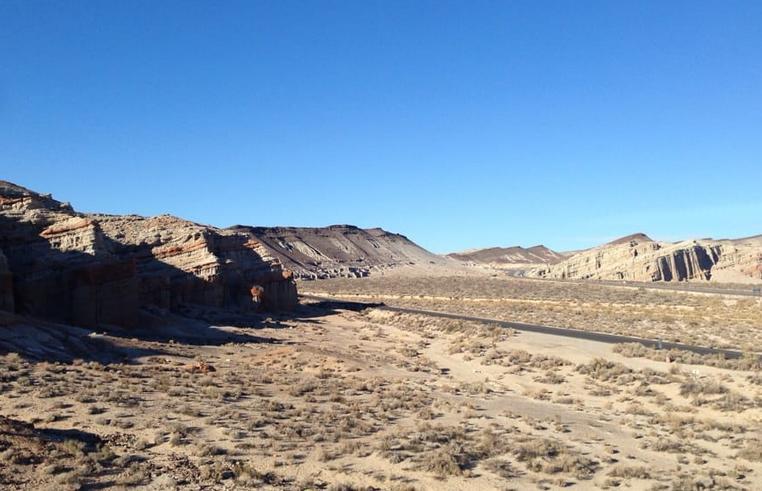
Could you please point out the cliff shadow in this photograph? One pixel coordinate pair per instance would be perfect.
(71, 304)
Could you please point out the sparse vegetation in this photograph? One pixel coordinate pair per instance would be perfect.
(390, 401)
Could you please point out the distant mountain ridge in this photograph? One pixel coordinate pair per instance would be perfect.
(509, 256)
(340, 250)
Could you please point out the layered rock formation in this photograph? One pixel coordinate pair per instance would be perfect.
(340, 250)
(510, 257)
(93, 270)
(639, 258)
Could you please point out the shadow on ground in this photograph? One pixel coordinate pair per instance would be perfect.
(120, 302)
(159, 333)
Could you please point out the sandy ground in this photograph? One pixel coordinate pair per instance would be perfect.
(683, 317)
(341, 399)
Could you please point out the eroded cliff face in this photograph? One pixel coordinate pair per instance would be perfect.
(93, 270)
(740, 261)
(641, 259)
(177, 253)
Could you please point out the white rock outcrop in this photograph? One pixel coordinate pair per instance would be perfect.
(638, 258)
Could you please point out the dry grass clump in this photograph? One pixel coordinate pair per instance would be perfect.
(604, 370)
(695, 386)
(450, 460)
(630, 472)
(522, 360)
(672, 445)
(551, 377)
(443, 450)
(551, 457)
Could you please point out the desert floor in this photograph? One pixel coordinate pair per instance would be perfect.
(336, 397)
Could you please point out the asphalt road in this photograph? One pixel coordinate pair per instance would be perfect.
(553, 331)
(751, 291)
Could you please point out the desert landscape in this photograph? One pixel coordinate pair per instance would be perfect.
(380, 245)
(156, 353)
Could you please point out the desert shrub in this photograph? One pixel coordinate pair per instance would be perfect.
(732, 401)
(665, 445)
(303, 388)
(695, 386)
(535, 448)
(446, 461)
(602, 369)
(580, 466)
(630, 472)
(551, 377)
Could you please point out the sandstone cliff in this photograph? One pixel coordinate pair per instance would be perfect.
(91, 270)
(341, 250)
(639, 258)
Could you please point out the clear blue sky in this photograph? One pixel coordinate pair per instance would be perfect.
(460, 124)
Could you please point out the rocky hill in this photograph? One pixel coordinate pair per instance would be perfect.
(639, 258)
(341, 250)
(510, 257)
(93, 270)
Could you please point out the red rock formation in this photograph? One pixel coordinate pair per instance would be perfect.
(94, 270)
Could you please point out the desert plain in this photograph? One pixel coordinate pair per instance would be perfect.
(345, 395)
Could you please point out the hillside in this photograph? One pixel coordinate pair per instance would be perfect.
(513, 258)
(93, 269)
(639, 258)
(341, 250)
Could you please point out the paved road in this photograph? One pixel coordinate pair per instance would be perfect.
(752, 291)
(554, 331)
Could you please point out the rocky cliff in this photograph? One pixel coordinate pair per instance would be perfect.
(510, 257)
(92, 270)
(341, 250)
(6, 285)
(639, 258)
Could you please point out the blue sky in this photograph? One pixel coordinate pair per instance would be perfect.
(458, 124)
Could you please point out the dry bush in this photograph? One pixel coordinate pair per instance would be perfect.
(534, 448)
(630, 472)
(551, 377)
(603, 370)
(695, 386)
(447, 461)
